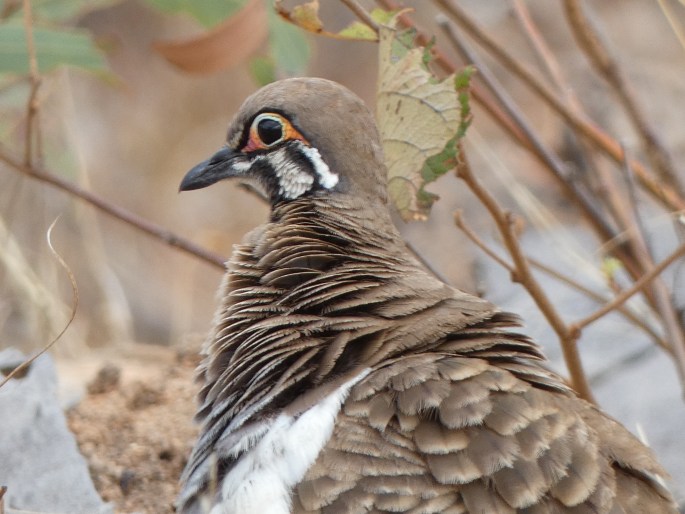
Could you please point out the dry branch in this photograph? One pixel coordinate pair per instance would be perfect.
(162, 234)
(590, 41)
(608, 145)
(522, 274)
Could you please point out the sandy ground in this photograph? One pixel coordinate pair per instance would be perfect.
(134, 427)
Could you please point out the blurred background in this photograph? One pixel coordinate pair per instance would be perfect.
(140, 106)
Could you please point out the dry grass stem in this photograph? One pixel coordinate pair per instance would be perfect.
(643, 281)
(74, 307)
(544, 54)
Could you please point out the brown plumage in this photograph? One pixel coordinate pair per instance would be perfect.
(341, 377)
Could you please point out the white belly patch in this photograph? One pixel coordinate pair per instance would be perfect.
(263, 478)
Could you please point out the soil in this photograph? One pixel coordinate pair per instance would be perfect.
(136, 430)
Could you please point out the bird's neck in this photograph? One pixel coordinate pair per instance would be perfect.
(296, 309)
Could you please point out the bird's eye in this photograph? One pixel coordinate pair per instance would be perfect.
(269, 130)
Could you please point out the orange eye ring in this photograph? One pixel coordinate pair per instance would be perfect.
(269, 129)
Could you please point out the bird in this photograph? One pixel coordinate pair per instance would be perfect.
(341, 376)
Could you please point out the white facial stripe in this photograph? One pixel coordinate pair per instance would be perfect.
(327, 178)
(293, 182)
(241, 166)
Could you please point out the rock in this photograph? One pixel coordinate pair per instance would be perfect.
(39, 460)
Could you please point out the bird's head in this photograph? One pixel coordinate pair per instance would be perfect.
(299, 137)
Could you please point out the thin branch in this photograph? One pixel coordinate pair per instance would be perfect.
(361, 13)
(115, 211)
(590, 41)
(461, 223)
(505, 222)
(32, 103)
(662, 298)
(597, 297)
(549, 158)
(545, 55)
(601, 299)
(635, 288)
(591, 132)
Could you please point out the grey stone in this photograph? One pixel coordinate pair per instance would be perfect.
(39, 460)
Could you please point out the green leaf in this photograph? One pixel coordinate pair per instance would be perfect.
(61, 11)
(462, 82)
(358, 30)
(289, 46)
(427, 57)
(381, 16)
(401, 44)
(440, 163)
(54, 47)
(263, 70)
(207, 12)
(447, 159)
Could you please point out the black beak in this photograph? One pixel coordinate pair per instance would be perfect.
(218, 167)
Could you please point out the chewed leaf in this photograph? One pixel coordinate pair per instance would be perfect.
(420, 120)
(306, 16)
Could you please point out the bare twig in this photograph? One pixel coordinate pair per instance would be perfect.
(115, 211)
(602, 299)
(597, 297)
(74, 307)
(662, 299)
(635, 288)
(461, 223)
(32, 103)
(361, 13)
(664, 194)
(590, 41)
(549, 159)
(545, 55)
(522, 274)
